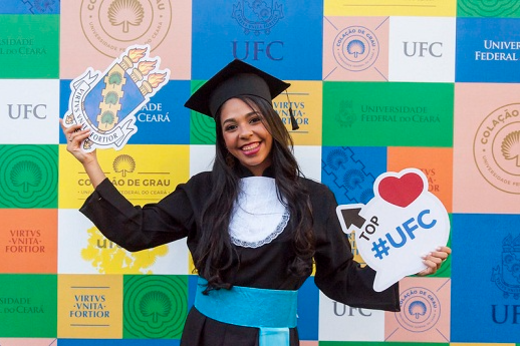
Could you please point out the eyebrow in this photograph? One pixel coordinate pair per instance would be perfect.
(253, 112)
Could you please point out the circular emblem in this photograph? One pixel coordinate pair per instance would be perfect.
(28, 176)
(155, 307)
(356, 48)
(112, 25)
(420, 309)
(497, 148)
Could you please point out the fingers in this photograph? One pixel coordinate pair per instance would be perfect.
(433, 260)
(78, 136)
(68, 130)
(74, 134)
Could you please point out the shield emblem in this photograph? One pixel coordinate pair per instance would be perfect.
(112, 99)
(257, 15)
(106, 103)
(507, 276)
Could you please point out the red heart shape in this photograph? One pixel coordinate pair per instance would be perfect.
(401, 191)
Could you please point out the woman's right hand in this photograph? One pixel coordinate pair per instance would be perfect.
(75, 136)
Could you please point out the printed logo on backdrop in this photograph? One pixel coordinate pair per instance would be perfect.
(496, 148)
(130, 181)
(106, 103)
(24, 48)
(488, 50)
(106, 257)
(420, 309)
(42, 6)
(346, 116)
(27, 111)
(28, 176)
(349, 113)
(506, 275)
(423, 49)
(257, 16)
(111, 25)
(356, 48)
(479, 8)
(25, 241)
(492, 50)
(90, 306)
(349, 175)
(340, 322)
(155, 306)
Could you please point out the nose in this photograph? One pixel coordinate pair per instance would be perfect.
(246, 132)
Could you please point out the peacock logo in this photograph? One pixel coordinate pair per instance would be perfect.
(420, 309)
(496, 148)
(110, 25)
(28, 176)
(155, 306)
(356, 48)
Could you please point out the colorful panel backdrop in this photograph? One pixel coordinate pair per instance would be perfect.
(376, 86)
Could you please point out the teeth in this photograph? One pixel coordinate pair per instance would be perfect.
(250, 146)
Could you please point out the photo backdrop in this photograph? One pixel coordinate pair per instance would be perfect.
(377, 86)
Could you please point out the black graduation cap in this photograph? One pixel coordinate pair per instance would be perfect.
(236, 78)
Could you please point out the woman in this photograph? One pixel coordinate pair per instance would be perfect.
(254, 226)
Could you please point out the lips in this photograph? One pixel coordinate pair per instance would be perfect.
(251, 148)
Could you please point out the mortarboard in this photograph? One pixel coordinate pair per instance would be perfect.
(236, 78)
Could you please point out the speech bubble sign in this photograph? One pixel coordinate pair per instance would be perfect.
(106, 103)
(402, 223)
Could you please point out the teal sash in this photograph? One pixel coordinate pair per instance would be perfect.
(272, 311)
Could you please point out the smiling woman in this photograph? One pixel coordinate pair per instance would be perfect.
(254, 225)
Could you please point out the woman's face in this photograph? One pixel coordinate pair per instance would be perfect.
(245, 135)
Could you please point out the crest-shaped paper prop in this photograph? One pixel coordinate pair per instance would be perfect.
(398, 226)
(106, 103)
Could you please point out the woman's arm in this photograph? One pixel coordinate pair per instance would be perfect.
(131, 227)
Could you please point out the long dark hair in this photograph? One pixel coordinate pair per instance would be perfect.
(214, 252)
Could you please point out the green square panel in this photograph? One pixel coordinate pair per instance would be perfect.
(29, 46)
(28, 176)
(479, 8)
(388, 114)
(28, 306)
(155, 306)
(202, 127)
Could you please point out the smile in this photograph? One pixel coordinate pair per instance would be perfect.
(249, 148)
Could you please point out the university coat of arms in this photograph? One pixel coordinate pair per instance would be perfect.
(507, 275)
(106, 103)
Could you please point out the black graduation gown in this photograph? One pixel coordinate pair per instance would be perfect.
(177, 216)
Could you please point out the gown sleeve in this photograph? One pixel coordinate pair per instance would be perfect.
(338, 276)
(137, 228)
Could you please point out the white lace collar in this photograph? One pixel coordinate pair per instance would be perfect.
(258, 216)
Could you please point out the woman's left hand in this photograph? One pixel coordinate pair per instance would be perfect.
(434, 260)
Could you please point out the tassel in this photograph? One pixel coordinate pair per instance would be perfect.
(294, 124)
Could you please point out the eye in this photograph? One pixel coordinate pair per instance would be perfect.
(255, 119)
(230, 127)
